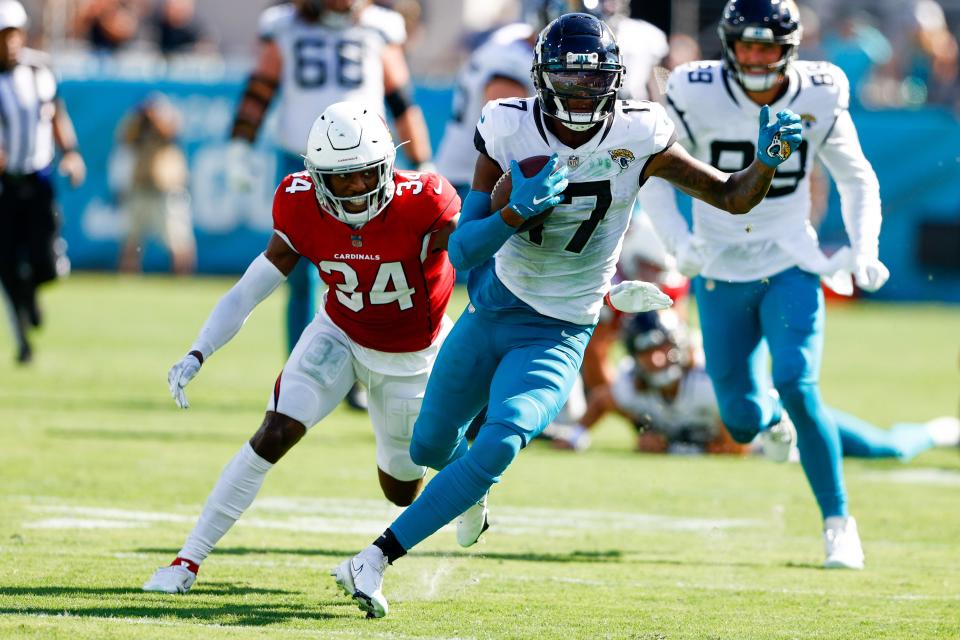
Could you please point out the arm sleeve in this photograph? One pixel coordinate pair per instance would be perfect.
(660, 203)
(479, 233)
(259, 281)
(857, 183)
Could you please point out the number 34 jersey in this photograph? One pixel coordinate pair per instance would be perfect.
(323, 65)
(563, 268)
(387, 288)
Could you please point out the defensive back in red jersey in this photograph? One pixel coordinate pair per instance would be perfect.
(387, 290)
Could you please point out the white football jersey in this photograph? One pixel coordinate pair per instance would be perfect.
(563, 268)
(506, 54)
(642, 47)
(718, 123)
(693, 414)
(323, 65)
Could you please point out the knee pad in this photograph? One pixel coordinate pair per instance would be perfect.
(394, 429)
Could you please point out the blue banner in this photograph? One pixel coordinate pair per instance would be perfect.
(913, 152)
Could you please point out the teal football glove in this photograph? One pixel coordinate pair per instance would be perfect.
(534, 195)
(779, 139)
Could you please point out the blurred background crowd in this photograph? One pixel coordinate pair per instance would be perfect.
(897, 53)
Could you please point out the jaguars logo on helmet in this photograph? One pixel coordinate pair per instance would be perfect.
(577, 70)
(773, 21)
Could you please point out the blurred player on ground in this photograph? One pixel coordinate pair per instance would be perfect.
(378, 238)
(663, 389)
(759, 292)
(316, 53)
(535, 295)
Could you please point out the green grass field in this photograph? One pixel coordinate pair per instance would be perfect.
(102, 478)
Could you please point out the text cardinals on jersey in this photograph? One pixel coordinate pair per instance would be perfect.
(390, 297)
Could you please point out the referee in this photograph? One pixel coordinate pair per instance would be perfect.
(32, 118)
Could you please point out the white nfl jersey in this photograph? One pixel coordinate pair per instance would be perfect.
(718, 123)
(563, 268)
(693, 414)
(323, 65)
(642, 47)
(506, 54)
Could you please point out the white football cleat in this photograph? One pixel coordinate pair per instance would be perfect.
(472, 523)
(176, 578)
(361, 577)
(842, 543)
(779, 439)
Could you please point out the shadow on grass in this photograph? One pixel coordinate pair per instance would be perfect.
(201, 605)
(585, 557)
(572, 556)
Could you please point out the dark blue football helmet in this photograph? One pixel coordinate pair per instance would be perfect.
(577, 59)
(663, 331)
(774, 21)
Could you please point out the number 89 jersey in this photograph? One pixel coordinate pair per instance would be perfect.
(717, 122)
(387, 290)
(563, 268)
(323, 65)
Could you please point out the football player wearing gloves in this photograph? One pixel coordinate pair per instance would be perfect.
(320, 52)
(536, 293)
(381, 323)
(759, 290)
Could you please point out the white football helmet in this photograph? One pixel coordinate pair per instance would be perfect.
(348, 137)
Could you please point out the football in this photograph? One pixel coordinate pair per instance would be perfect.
(501, 190)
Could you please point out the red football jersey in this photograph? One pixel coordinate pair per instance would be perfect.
(386, 291)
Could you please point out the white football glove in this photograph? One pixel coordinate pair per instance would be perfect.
(870, 273)
(636, 296)
(180, 375)
(691, 255)
(239, 165)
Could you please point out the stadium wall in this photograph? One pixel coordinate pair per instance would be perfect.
(914, 153)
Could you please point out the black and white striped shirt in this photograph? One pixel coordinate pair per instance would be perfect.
(27, 94)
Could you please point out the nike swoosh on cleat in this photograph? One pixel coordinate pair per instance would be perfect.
(355, 570)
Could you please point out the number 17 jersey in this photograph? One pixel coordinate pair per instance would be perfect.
(562, 269)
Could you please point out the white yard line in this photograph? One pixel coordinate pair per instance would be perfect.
(368, 517)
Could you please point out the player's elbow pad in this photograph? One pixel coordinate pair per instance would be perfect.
(399, 100)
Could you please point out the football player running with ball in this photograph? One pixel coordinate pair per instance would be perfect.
(378, 238)
(759, 293)
(535, 295)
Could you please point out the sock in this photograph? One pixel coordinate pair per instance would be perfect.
(391, 548)
(835, 522)
(234, 492)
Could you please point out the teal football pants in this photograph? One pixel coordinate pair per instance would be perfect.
(522, 366)
(783, 317)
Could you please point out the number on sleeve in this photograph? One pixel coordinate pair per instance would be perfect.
(298, 184)
(520, 106)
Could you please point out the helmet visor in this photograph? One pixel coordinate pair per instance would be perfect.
(581, 84)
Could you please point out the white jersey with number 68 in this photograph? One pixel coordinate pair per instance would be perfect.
(323, 65)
